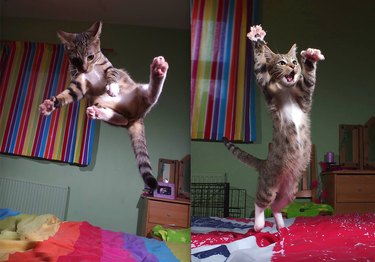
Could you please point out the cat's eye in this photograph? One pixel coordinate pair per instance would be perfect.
(282, 62)
(76, 61)
(90, 57)
(295, 62)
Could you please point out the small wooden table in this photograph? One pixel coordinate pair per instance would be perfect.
(350, 191)
(161, 211)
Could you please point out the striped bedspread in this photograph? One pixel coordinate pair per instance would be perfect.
(349, 237)
(81, 241)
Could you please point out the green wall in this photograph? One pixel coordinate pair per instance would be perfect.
(106, 193)
(345, 91)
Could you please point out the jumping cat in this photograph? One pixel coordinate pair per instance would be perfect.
(288, 87)
(112, 95)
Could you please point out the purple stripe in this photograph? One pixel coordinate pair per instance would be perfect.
(138, 248)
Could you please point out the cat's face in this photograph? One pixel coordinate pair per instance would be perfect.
(283, 68)
(83, 49)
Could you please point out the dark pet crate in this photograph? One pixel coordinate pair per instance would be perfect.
(210, 199)
(217, 199)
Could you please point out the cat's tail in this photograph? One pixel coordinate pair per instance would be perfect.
(137, 136)
(243, 156)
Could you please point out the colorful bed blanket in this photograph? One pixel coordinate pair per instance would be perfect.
(349, 237)
(81, 241)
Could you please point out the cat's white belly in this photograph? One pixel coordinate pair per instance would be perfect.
(95, 79)
(293, 113)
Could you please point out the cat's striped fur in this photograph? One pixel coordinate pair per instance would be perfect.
(113, 96)
(288, 88)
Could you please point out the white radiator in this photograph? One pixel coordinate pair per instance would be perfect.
(33, 198)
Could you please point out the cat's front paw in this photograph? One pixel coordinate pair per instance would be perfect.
(92, 112)
(256, 34)
(312, 54)
(47, 107)
(113, 89)
(159, 67)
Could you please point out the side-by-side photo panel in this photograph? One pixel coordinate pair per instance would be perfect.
(282, 128)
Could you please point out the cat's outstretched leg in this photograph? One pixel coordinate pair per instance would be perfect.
(309, 59)
(279, 220)
(107, 115)
(158, 73)
(259, 218)
(280, 202)
(312, 54)
(47, 107)
(74, 92)
(257, 34)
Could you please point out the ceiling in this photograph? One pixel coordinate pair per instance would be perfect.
(155, 13)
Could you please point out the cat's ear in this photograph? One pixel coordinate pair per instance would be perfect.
(65, 37)
(96, 29)
(293, 51)
(268, 54)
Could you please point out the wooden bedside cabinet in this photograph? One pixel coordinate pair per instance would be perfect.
(160, 211)
(350, 191)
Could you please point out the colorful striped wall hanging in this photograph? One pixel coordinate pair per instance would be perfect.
(29, 74)
(222, 88)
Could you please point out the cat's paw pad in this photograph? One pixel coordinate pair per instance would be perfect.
(92, 112)
(159, 67)
(312, 54)
(113, 89)
(259, 225)
(46, 107)
(256, 33)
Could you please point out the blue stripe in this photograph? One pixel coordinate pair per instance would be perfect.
(89, 145)
(73, 131)
(159, 250)
(226, 73)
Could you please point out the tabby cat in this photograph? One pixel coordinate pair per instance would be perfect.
(113, 96)
(288, 88)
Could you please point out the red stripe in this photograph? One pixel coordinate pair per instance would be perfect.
(197, 18)
(229, 125)
(213, 78)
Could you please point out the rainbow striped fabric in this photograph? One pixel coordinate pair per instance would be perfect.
(29, 74)
(222, 88)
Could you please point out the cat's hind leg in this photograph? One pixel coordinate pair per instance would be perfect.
(107, 115)
(158, 73)
(276, 207)
(259, 218)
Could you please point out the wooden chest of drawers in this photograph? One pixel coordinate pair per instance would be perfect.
(350, 190)
(165, 212)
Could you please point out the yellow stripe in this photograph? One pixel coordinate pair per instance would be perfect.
(241, 75)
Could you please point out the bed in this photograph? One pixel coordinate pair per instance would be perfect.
(347, 237)
(45, 238)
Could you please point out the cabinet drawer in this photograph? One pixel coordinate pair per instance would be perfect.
(171, 214)
(342, 208)
(355, 188)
